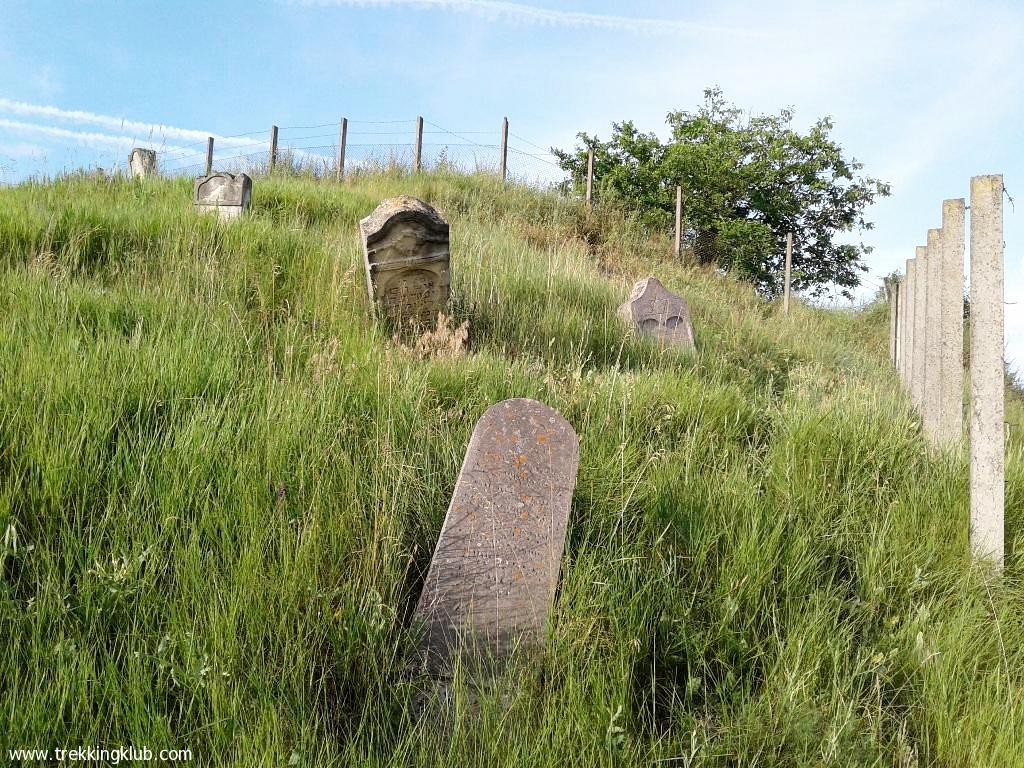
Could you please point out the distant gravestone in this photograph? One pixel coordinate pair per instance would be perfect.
(225, 194)
(492, 580)
(142, 163)
(655, 311)
(405, 249)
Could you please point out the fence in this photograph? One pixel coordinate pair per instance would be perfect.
(926, 346)
(356, 146)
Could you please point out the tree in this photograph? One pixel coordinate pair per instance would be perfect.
(747, 181)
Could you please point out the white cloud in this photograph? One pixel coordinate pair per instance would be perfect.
(499, 10)
(84, 138)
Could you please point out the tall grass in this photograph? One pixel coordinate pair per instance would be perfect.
(221, 484)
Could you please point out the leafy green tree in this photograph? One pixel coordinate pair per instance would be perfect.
(747, 181)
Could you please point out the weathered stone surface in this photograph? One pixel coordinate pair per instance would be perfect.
(492, 580)
(225, 194)
(142, 163)
(988, 386)
(405, 249)
(655, 311)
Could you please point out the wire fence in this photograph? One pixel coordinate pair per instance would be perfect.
(370, 146)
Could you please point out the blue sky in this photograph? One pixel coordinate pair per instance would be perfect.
(925, 94)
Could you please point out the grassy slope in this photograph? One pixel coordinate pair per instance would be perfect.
(221, 485)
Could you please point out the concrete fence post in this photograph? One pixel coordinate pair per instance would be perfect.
(504, 149)
(987, 386)
(209, 155)
(273, 149)
(908, 324)
(342, 141)
(919, 336)
(679, 221)
(788, 272)
(590, 176)
(932, 408)
(418, 162)
(951, 395)
(893, 291)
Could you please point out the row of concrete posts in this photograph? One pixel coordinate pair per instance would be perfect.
(927, 347)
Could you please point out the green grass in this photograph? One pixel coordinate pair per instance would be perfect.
(222, 484)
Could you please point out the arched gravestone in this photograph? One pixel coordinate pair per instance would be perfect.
(225, 194)
(142, 163)
(405, 249)
(492, 580)
(655, 311)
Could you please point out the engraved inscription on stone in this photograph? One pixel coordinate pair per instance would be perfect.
(492, 580)
(225, 194)
(405, 249)
(654, 311)
(142, 163)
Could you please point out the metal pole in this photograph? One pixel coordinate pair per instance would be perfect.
(504, 148)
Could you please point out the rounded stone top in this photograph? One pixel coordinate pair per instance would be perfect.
(404, 208)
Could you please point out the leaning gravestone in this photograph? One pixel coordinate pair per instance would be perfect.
(405, 249)
(492, 580)
(225, 194)
(142, 163)
(655, 311)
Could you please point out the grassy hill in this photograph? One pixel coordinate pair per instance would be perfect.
(221, 485)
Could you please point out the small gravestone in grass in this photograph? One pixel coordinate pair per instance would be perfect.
(405, 249)
(491, 583)
(142, 163)
(654, 311)
(226, 194)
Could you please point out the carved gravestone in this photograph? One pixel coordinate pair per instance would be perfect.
(405, 249)
(492, 580)
(655, 311)
(142, 163)
(225, 194)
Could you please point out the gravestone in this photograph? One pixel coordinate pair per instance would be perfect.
(225, 194)
(492, 580)
(142, 163)
(405, 250)
(655, 311)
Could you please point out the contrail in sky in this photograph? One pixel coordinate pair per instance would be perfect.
(499, 10)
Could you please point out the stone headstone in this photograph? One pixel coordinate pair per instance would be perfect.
(405, 249)
(492, 580)
(225, 194)
(655, 311)
(142, 163)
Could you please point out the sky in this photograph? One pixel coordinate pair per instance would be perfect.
(924, 93)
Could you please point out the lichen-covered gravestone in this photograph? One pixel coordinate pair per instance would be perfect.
(655, 311)
(491, 583)
(142, 163)
(225, 194)
(405, 249)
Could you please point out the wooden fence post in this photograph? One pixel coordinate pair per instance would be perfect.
(679, 221)
(418, 162)
(590, 177)
(273, 149)
(789, 272)
(504, 148)
(988, 447)
(209, 155)
(342, 140)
